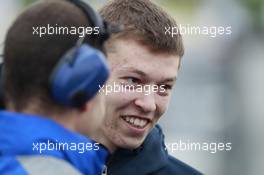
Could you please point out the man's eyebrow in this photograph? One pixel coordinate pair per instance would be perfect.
(173, 79)
(134, 70)
(143, 74)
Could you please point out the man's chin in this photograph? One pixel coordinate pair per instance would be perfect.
(131, 143)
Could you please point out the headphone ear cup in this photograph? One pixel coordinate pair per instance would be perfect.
(78, 76)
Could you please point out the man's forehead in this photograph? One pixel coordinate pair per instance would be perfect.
(133, 69)
(133, 52)
(134, 58)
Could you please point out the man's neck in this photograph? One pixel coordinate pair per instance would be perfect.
(101, 138)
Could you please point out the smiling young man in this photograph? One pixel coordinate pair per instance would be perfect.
(140, 55)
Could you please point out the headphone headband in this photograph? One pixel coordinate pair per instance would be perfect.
(95, 20)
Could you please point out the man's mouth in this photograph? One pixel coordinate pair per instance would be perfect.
(136, 121)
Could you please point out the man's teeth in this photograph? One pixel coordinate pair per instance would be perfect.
(136, 121)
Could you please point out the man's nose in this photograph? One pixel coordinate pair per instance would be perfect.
(146, 103)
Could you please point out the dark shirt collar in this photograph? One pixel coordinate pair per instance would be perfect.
(149, 157)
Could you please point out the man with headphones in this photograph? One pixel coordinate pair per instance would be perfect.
(50, 86)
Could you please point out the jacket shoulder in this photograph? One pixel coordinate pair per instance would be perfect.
(46, 165)
(10, 165)
(35, 165)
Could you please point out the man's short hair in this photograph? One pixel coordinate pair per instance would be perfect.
(144, 21)
(29, 59)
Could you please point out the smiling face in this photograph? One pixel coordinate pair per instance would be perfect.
(130, 115)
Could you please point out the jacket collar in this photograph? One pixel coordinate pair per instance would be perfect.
(19, 131)
(149, 157)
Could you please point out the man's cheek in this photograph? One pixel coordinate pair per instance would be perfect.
(122, 98)
(162, 106)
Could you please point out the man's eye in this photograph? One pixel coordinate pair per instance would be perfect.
(167, 87)
(164, 89)
(132, 80)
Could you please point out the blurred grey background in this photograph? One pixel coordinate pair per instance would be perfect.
(219, 95)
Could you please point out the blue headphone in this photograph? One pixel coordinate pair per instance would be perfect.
(81, 71)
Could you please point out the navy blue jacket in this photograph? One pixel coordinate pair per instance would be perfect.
(149, 159)
(21, 133)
